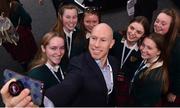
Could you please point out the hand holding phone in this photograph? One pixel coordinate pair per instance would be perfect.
(35, 86)
(22, 100)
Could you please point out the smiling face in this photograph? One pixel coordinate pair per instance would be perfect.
(162, 23)
(101, 40)
(134, 32)
(54, 50)
(149, 50)
(69, 19)
(90, 20)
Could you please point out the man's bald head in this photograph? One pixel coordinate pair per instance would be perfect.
(103, 28)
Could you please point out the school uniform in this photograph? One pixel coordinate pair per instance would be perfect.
(128, 65)
(74, 45)
(47, 74)
(148, 91)
(132, 61)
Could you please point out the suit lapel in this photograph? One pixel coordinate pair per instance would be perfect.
(94, 66)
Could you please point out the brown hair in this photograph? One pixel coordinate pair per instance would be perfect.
(40, 57)
(170, 36)
(158, 39)
(144, 22)
(58, 27)
(89, 10)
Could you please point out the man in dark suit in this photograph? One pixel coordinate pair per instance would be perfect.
(91, 77)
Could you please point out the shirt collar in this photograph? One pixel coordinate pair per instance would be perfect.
(157, 64)
(107, 65)
(124, 41)
(69, 34)
(52, 68)
(88, 35)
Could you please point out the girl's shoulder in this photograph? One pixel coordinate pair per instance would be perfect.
(38, 69)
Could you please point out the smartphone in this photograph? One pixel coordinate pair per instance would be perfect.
(35, 86)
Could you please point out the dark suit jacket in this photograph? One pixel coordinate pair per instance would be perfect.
(84, 84)
(132, 62)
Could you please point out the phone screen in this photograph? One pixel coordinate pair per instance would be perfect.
(35, 86)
